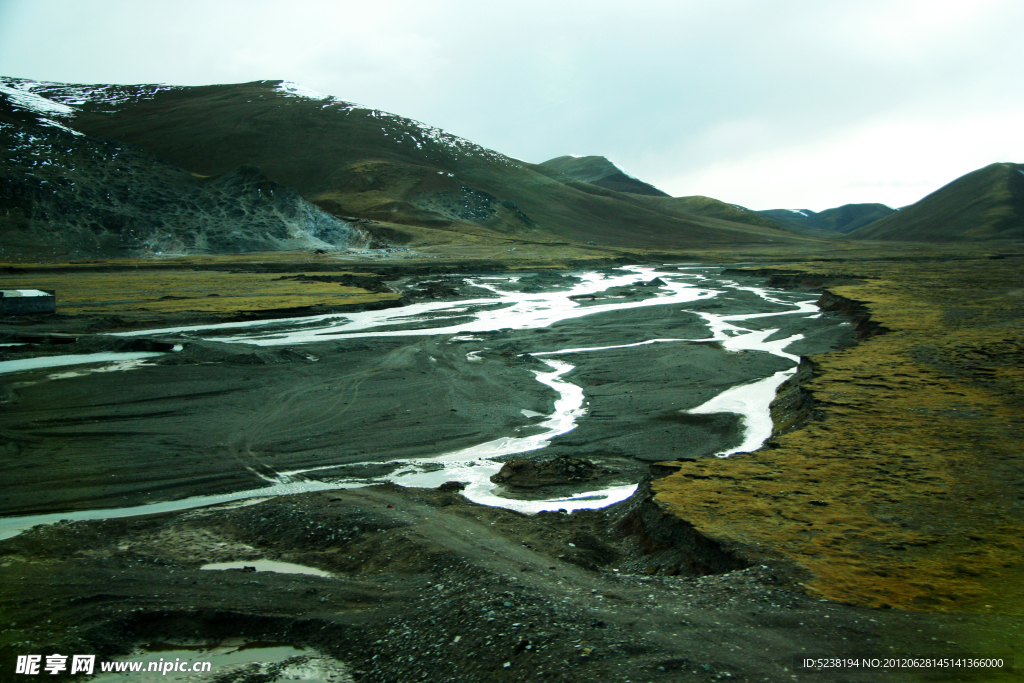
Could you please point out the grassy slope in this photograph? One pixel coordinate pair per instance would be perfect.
(710, 208)
(849, 217)
(365, 163)
(918, 455)
(985, 204)
(600, 171)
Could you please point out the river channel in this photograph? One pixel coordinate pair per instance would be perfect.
(627, 366)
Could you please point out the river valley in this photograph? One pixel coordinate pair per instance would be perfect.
(330, 442)
(621, 367)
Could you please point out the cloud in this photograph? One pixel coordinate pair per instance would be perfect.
(725, 98)
(891, 161)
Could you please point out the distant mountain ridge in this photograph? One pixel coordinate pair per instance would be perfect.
(598, 170)
(384, 177)
(102, 170)
(843, 219)
(986, 204)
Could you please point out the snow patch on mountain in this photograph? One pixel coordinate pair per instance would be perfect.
(799, 212)
(625, 172)
(20, 95)
(399, 129)
(23, 96)
(54, 103)
(292, 89)
(108, 96)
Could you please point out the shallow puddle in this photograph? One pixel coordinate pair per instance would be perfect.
(269, 566)
(267, 662)
(119, 366)
(23, 364)
(12, 526)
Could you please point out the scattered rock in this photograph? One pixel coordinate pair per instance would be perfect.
(557, 471)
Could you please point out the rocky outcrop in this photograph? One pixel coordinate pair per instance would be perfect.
(529, 474)
(83, 196)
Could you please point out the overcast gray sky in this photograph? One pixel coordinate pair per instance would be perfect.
(765, 104)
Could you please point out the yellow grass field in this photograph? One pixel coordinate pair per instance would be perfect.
(910, 491)
(147, 292)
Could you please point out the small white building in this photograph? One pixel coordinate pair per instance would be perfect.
(24, 301)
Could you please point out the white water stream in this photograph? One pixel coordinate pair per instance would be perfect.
(508, 309)
(22, 364)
